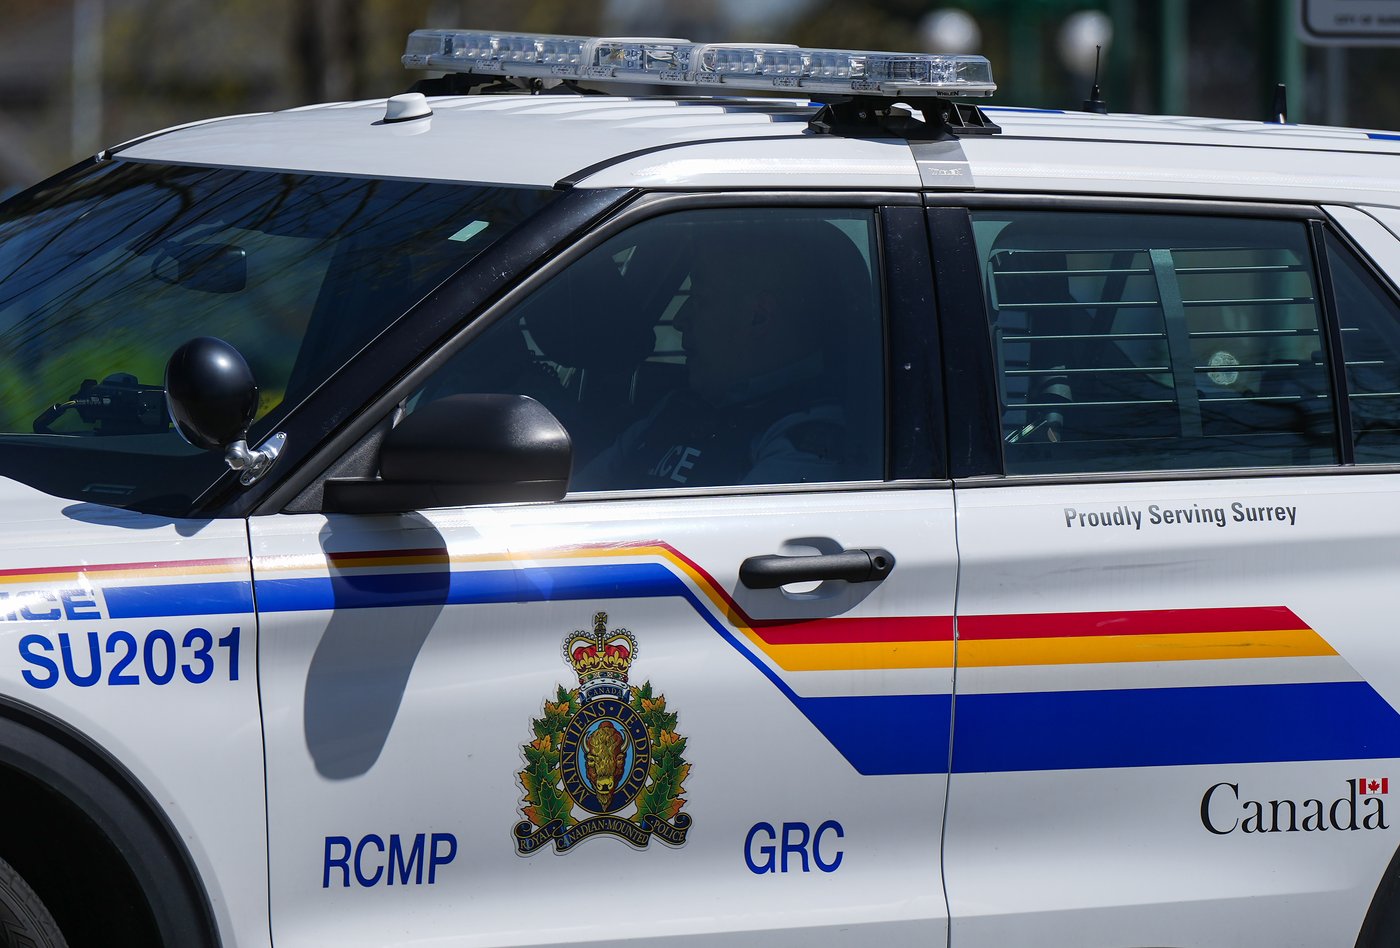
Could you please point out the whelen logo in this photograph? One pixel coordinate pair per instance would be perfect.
(1362, 807)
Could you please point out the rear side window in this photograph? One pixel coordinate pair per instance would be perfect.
(1143, 342)
(1370, 330)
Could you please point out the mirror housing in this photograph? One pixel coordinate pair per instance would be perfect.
(211, 397)
(463, 450)
(210, 393)
(209, 268)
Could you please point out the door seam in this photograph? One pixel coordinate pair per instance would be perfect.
(952, 718)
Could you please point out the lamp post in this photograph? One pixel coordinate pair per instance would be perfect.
(86, 128)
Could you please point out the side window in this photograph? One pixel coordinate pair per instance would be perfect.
(1370, 325)
(703, 348)
(1142, 342)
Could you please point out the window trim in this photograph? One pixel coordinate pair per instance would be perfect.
(915, 410)
(748, 490)
(1334, 228)
(970, 379)
(1185, 474)
(1336, 358)
(1125, 205)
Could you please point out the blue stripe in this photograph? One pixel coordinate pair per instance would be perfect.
(542, 584)
(885, 734)
(1382, 136)
(186, 599)
(1163, 727)
(1006, 108)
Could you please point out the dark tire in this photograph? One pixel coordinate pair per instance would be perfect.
(24, 922)
(1381, 929)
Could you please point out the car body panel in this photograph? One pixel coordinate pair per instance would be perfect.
(1002, 774)
(406, 719)
(175, 709)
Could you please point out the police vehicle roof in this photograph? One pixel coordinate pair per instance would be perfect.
(605, 141)
(700, 140)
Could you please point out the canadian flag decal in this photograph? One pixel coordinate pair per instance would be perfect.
(1373, 785)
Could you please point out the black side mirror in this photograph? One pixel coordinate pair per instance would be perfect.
(210, 393)
(211, 397)
(463, 450)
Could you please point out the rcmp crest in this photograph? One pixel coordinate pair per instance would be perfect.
(606, 758)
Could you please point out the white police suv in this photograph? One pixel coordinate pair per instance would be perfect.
(512, 514)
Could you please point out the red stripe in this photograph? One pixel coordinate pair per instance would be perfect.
(113, 567)
(1147, 622)
(845, 631)
(385, 554)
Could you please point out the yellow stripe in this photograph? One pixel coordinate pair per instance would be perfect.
(1180, 646)
(34, 579)
(286, 562)
(859, 655)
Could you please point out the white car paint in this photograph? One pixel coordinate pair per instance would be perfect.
(1057, 850)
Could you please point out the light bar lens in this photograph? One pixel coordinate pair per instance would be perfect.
(669, 61)
(648, 60)
(504, 54)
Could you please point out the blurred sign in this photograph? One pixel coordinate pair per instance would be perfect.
(1349, 22)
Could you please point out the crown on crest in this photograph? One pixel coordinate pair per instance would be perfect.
(600, 658)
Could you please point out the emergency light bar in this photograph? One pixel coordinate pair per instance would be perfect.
(679, 62)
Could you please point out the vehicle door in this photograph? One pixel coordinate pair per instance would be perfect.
(1175, 688)
(617, 716)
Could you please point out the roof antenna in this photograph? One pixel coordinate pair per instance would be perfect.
(1095, 102)
(1280, 110)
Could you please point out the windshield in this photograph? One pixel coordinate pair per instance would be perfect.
(103, 274)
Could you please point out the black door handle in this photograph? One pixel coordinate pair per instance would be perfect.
(854, 566)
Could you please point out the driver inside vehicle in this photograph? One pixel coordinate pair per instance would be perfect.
(761, 402)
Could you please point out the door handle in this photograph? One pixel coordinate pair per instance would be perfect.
(854, 566)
